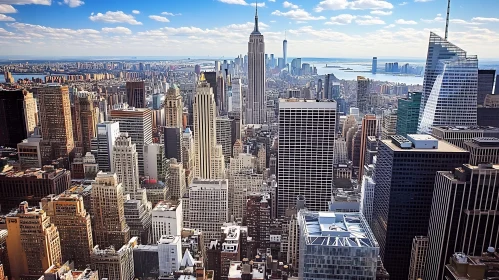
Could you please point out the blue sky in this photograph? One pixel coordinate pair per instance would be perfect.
(315, 28)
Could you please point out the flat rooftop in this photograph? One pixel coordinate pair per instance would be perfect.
(336, 229)
(443, 147)
(299, 103)
(166, 206)
(467, 128)
(257, 270)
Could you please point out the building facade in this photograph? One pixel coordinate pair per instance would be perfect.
(109, 211)
(306, 153)
(408, 114)
(125, 164)
(405, 175)
(257, 97)
(18, 117)
(327, 237)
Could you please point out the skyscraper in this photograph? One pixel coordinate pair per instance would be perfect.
(17, 116)
(285, 51)
(486, 80)
(408, 114)
(207, 206)
(33, 242)
(107, 133)
(173, 107)
(125, 164)
(256, 98)
(114, 262)
(136, 94)
(369, 125)
(67, 212)
(405, 175)
(461, 215)
(374, 66)
(156, 165)
(449, 87)
(224, 136)
(306, 153)
(209, 156)
(85, 120)
(55, 119)
(363, 87)
(137, 122)
(110, 227)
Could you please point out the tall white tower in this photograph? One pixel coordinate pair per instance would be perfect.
(125, 163)
(257, 99)
(209, 157)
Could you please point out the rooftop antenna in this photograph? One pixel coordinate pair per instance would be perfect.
(447, 20)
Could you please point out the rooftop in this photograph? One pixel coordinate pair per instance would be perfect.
(33, 172)
(166, 206)
(442, 147)
(297, 103)
(336, 229)
(466, 128)
(169, 239)
(256, 269)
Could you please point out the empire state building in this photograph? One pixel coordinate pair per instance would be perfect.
(257, 99)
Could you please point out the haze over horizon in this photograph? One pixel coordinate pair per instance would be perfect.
(328, 28)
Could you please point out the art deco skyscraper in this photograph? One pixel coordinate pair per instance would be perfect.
(209, 157)
(449, 87)
(137, 122)
(257, 98)
(125, 163)
(55, 119)
(68, 213)
(368, 129)
(306, 153)
(173, 107)
(85, 120)
(33, 242)
(109, 211)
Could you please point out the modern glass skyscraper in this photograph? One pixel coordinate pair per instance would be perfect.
(408, 114)
(405, 179)
(449, 87)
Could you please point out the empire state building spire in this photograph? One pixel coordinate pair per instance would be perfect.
(255, 30)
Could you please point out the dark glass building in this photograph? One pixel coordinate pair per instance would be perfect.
(405, 176)
(485, 84)
(463, 215)
(12, 118)
(136, 94)
(408, 114)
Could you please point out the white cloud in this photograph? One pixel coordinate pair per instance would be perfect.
(464, 22)
(159, 18)
(381, 13)
(135, 12)
(390, 26)
(290, 5)
(115, 17)
(273, 21)
(484, 19)
(117, 30)
(369, 20)
(241, 2)
(271, 0)
(74, 3)
(7, 9)
(6, 18)
(423, 1)
(438, 18)
(26, 2)
(341, 19)
(405, 22)
(170, 14)
(403, 3)
(354, 5)
(297, 14)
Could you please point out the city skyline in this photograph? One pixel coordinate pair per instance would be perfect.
(369, 27)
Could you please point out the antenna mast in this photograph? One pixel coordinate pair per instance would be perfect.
(447, 20)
